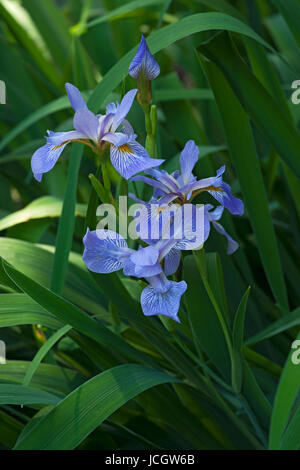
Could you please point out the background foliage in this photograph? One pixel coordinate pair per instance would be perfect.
(89, 369)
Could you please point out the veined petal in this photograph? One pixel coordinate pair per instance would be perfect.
(44, 159)
(152, 182)
(164, 177)
(172, 261)
(144, 63)
(225, 197)
(157, 302)
(87, 123)
(188, 159)
(232, 245)
(131, 158)
(123, 109)
(75, 97)
(105, 251)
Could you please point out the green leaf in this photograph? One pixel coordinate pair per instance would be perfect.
(291, 437)
(43, 207)
(66, 226)
(20, 395)
(290, 10)
(70, 314)
(123, 10)
(162, 95)
(258, 103)
(43, 351)
(288, 321)
(36, 262)
(243, 152)
(287, 391)
(204, 320)
(19, 309)
(56, 380)
(75, 417)
(30, 45)
(53, 27)
(237, 340)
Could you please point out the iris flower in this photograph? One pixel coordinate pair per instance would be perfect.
(107, 252)
(183, 186)
(127, 156)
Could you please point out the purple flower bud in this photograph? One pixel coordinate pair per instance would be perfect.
(144, 65)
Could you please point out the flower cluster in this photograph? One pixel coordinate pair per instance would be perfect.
(106, 251)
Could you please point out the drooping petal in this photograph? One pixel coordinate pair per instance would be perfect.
(75, 97)
(172, 261)
(163, 302)
(188, 159)
(123, 109)
(232, 245)
(225, 197)
(144, 63)
(87, 123)
(44, 159)
(131, 158)
(105, 251)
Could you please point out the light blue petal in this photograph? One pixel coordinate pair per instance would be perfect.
(123, 109)
(131, 158)
(225, 197)
(87, 123)
(188, 159)
(232, 245)
(75, 97)
(172, 262)
(105, 251)
(44, 159)
(145, 256)
(163, 303)
(144, 63)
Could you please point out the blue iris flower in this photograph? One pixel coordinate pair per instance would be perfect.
(106, 252)
(183, 186)
(144, 65)
(127, 156)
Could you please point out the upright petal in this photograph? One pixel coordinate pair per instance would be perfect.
(145, 256)
(87, 123)
(75, 97)
(123, 109)
(172, 261)
(105, 251)
(144, 63)
(163, 302)
(188, 159)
